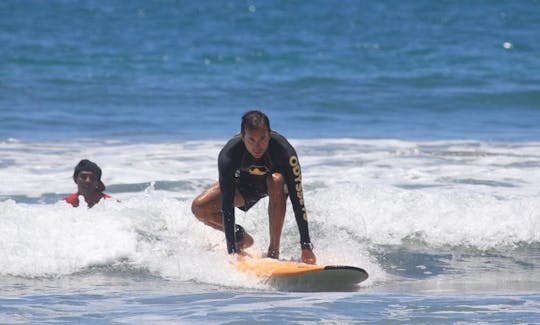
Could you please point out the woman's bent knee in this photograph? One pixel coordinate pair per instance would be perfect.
(196, 207)
(276, 179)
(276, 183)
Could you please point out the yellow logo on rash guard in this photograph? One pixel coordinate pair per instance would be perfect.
(258, 170)
(293, 162)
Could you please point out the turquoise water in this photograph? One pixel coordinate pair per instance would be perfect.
(416, 124)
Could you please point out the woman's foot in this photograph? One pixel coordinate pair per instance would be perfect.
(243, 239)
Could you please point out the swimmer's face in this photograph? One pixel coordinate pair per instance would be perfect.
(87, 182)
(257, 141)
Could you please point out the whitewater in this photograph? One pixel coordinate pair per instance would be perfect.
(365, 198)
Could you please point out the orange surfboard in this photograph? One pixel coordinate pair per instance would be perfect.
(297, 276)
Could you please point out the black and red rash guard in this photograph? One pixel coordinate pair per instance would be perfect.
(73, 199)
(237, 166)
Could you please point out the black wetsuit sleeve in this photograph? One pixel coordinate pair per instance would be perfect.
(228, 190)
(293, 178)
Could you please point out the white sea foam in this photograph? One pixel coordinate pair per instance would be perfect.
(359, 193)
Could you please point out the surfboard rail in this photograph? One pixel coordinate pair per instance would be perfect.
(297, 276)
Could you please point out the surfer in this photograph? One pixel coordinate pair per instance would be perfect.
(254, 164)
(87, 176)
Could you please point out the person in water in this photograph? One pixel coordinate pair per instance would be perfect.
(256, 163)
(87, 176)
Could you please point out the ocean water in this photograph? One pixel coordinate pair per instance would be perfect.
(416, 124)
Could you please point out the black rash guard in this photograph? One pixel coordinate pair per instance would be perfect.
(238, 169)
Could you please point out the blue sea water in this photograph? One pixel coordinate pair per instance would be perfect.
(413, 69)
(416, 122)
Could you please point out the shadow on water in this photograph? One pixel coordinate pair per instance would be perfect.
(406, 262)
(460, 269)
(174, 186)
(51, 198)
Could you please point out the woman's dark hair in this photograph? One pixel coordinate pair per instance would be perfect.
(253, 120)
